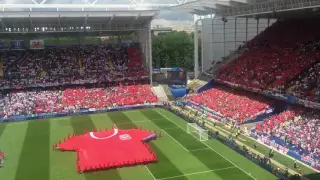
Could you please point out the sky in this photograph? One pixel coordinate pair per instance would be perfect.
(165, 18)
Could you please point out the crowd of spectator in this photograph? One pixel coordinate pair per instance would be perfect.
(71, 65)
(277, 56)
(74, 99)
(298, 130)
(239, 106)
(307, 85)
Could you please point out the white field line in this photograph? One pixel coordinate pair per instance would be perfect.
(171, 128)
(150, 172)
(208, 147)
(193, 150)
(175, 140)
(201, 172)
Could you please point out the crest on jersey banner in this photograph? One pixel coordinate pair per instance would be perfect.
(36, 44)
(125, 137)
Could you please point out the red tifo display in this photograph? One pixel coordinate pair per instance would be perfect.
(110, 149)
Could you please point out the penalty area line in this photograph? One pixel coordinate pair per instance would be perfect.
(150, 172)
(249, 174)
(171, 128)
(201, 172)
(193, 150)
(175, 140)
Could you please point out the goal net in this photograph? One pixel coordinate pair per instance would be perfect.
(197, 131)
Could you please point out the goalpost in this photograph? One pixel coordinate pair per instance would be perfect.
(197, 131)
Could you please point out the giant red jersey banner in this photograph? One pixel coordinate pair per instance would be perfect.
(110, 149)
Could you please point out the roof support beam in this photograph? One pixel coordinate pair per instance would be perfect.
(43, 1)
(35, 2)
(135, 19)
(86, 2)
(59, 23)
(31, 24)
(85, 22)
(2, 24)
(111, 18)
(138, 2)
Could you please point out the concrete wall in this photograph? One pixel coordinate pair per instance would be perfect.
(220, 38)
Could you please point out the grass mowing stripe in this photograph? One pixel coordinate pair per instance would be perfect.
(121, 120)
(79, 125)
(164, 165)
(208, 157)
(2, 127)
(34, 160)
(11, 143)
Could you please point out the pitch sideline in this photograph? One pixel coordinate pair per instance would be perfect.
(208, 146)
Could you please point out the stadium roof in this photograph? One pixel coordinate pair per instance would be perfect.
(46, 19)
(205, 7)
(226, 8)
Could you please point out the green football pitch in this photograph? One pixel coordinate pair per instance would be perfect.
(29, 156)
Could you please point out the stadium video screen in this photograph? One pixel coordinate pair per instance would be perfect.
(169, 77)
(176, 77)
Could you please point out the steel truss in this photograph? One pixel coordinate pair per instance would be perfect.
(270, 7)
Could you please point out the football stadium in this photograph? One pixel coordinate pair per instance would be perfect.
(81, 100)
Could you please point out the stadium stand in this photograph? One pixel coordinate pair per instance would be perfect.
(234, 104)
(289, 46)
(59, 66)
(305, 86)
(104, 66)
(296, 130)
(74, 99)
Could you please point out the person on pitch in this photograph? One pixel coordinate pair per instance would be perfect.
(1, 162)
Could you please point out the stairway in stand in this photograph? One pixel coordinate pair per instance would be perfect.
(1, 66)
(159, 92)
(136, 62)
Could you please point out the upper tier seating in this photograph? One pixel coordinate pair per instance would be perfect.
(72, 65)
(307, 85)
(276, 56)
